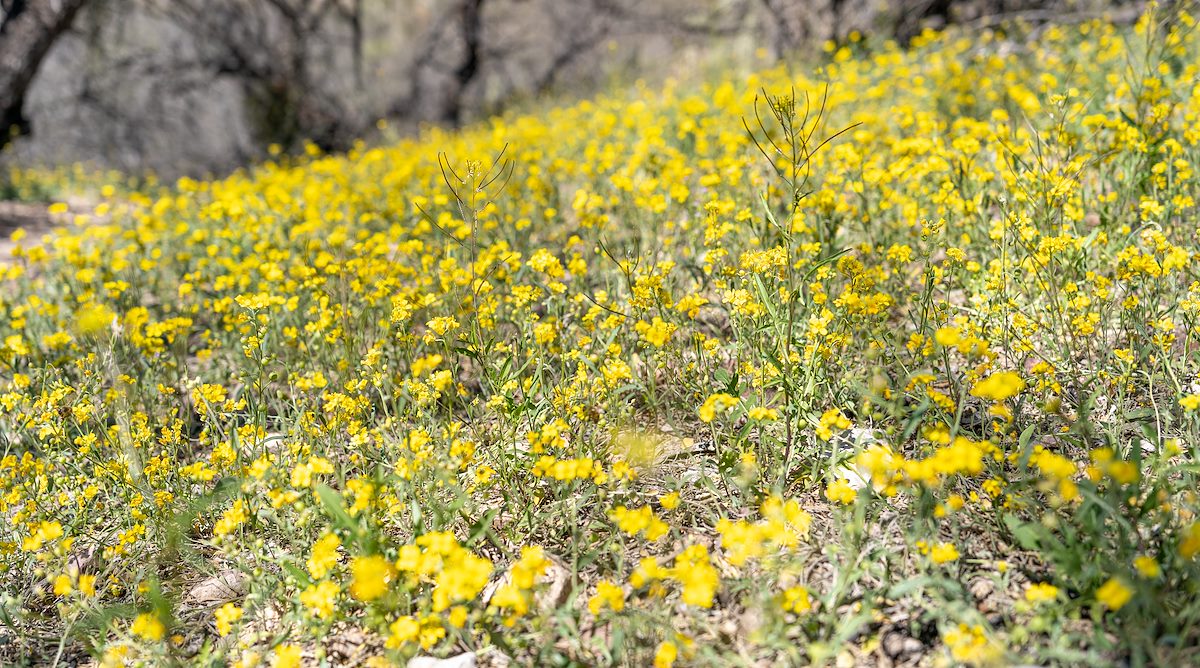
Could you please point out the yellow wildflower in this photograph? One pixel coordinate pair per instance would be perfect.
(1114, 594)
(999, 386)
(370, 577)
(1041, 592)
(148, 626)
(226, 616)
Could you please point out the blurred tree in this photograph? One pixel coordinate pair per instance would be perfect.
(272, 49)
(195, 86)
(28, 28)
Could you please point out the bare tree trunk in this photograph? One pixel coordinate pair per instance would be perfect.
(471, 27)
(783, 38)
(27, 32)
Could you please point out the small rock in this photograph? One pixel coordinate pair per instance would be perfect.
(751, 620)
(982, 588)
(892, 645)
(465, 660)
(274, 442)
(221, 588)
(557, 581)
(853, 475)
(82, 560)
(898, 645)
(494, 658)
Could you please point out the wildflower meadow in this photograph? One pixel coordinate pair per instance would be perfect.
(891, 357)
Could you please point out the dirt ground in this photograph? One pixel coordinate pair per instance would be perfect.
(32, 217)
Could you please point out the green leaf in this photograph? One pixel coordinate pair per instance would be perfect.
(297, 574)
(418, 517)
(468, 352)
(915, 418)
(336, 507)
(1023, 444)
(1028, 535)
(732, 386)
(908, 586)
(482, 526)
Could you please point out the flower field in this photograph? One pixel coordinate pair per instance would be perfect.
(893, 359)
